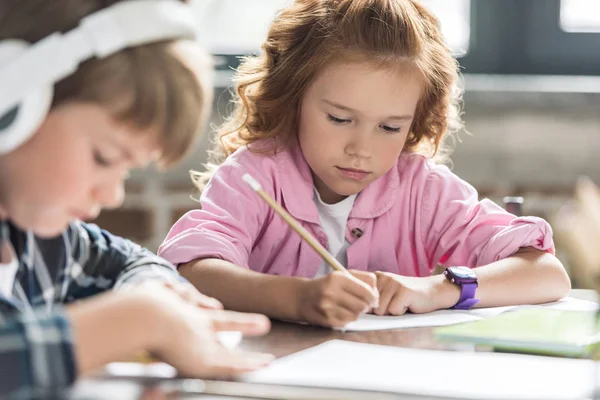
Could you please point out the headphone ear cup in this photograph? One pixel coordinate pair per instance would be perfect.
(19, 123)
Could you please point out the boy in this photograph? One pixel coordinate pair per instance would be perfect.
(120, 88)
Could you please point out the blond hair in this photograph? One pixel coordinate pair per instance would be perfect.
(163, 86)
(310, 34)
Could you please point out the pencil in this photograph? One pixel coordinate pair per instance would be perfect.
(308, 238)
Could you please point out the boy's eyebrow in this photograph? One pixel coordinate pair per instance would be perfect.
(345, 108)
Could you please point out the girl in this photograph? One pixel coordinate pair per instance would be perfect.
(338, 119)
(120, 110)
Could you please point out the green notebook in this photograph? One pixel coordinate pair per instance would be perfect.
(533, 330)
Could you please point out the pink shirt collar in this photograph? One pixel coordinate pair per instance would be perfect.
(297, 189)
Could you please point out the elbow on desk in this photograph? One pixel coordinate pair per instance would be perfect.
(560, 281)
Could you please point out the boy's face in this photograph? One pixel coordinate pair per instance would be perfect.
(74, 166)
(354, 122)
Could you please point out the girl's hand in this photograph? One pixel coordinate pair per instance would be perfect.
(400, 294)
(338, 298)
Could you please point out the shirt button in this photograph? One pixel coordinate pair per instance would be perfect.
(357, 232)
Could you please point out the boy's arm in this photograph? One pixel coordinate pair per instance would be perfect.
(102, 261)
(36, 354)
(42, 355)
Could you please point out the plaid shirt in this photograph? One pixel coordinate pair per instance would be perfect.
(36, 349)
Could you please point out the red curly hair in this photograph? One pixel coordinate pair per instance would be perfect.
(310, 34)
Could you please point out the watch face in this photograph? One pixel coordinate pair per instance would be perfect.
(463, 273)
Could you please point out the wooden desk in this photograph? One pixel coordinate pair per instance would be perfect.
(288, 338)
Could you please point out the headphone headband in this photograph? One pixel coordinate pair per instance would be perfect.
(126, 24)
(29, 72)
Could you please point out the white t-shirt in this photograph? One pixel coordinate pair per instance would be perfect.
(334, 218)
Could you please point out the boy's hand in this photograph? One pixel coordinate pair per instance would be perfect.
(186, 291)
(338, 298)
(188, 339)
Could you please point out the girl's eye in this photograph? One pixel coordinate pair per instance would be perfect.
(390, 129)
(336, 120)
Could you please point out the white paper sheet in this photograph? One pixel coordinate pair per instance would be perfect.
(370, 322)
(468, 375)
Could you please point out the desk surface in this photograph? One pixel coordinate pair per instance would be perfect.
(285, 339)
(288, 338)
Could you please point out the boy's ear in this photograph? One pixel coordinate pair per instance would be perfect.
(20, 117)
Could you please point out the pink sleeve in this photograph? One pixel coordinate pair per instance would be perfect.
(458, 229)
(227, 225)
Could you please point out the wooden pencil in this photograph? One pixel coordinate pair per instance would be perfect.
(295, 225)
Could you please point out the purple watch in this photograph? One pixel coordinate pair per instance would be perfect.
(467, 280)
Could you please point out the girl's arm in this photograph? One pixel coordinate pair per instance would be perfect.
(331, 300)
(530, 276)
(513, 256)
(242, 289)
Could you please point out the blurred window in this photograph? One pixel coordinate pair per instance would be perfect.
(548, 37)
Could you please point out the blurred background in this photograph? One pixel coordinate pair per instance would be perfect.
(532, 105)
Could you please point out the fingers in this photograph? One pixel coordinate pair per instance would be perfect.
(341, 317)
(336, 313)
(248, 324)
(352, 304)
(238, 365)
(397, 305)
(190, 294)
(227, 363)
(392, 296)
(204, 301)
(343, 298)
(153, 394)
(367, 277)
(361, 290)
(385, 298)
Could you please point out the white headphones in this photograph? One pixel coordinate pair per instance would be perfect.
(28, 72)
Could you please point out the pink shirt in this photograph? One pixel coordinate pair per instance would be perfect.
(418, 215)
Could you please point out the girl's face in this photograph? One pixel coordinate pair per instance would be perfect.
(354, 121)
(74, 166)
